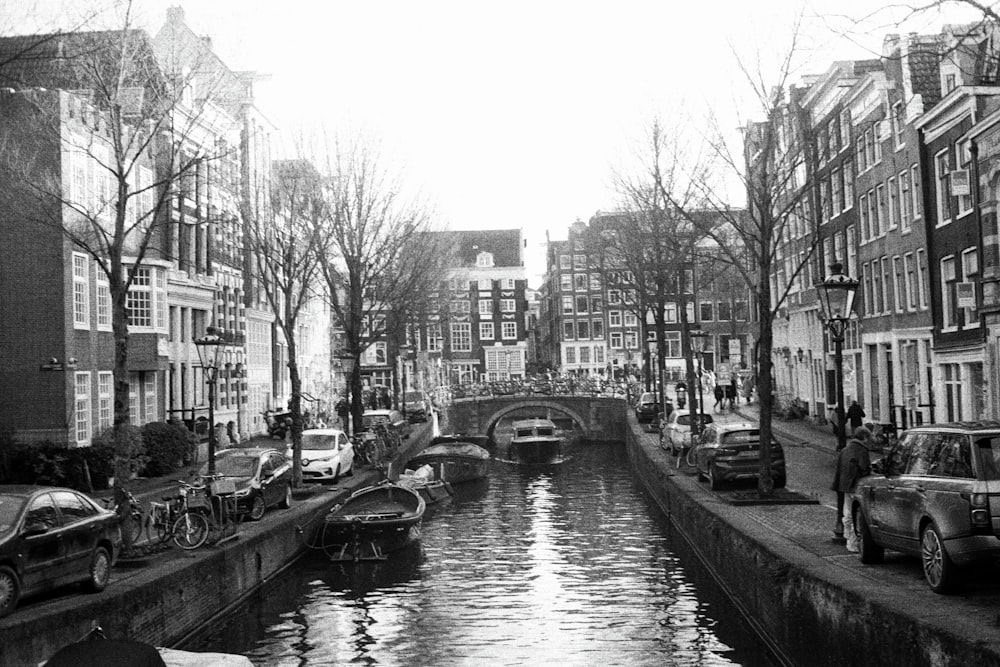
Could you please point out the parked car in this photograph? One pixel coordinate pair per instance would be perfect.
(730, 452)
(647, 408)
(393, 419)
(935, 495)
(677, 429)
(51, 537)
(417, 405)
(327, 454)
(262, 477)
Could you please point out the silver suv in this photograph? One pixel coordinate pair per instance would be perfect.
(935, 495)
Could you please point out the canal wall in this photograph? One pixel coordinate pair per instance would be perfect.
(176, 593)
(809, 611)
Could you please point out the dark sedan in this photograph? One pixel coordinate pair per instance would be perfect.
(51, 537)
(730, 452)
(647, 408)
(262, 478)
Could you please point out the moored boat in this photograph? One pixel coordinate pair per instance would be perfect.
(454, 461)
(475, 438)
(372, 522)
(535, 441)
(422, 480)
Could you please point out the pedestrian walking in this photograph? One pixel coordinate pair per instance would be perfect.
(233, 434)
(719, 396)
(221, 439)
(734, 389)
(855, 416)
(853, 463)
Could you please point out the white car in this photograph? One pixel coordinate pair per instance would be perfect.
(327, 453)
(677, 429)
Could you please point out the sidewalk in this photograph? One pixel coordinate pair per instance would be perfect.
(797, 431)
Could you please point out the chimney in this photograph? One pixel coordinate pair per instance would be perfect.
(207, 41)
(175, 14)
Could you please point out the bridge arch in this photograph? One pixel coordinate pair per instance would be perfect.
(600, 418)
(493, 418)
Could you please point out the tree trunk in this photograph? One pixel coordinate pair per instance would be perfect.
(296, 410)
(765, 383)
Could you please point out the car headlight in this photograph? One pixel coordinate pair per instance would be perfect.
(243, 493)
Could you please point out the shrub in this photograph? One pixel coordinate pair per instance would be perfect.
(55, 464)
(168, 447)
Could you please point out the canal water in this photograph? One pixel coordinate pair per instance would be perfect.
(571, 564)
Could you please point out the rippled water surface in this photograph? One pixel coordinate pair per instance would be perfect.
(565, 565)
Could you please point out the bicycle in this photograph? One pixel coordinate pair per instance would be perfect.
(161, 517)
(134, 515)
(190, 530)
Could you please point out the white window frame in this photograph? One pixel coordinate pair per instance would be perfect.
(81, 291)
(568, 305)
(487, 331)
(970, 273)
(942, 186)
(916, 209)
(566, 282)
(508, 330)
(922, 277)
(615, 338)
(565, 262)
(485, 306)
(508, 306)
(570, 354)
(81, 408)
(461, 337)
(948, 276)
(629, 319)
(910, 277)
(149, 397)
(614, 318)
(903, 184)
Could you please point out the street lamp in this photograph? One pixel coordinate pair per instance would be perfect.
(403, 354)
(836, 301)
(697, 337)
(209, 349)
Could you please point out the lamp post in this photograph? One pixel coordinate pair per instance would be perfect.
(697, 337)
(404, 356)
(209, 349)
(836, 300)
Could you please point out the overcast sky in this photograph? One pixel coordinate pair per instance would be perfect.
(511, 114)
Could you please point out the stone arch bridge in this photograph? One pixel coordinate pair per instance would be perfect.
(599, 418)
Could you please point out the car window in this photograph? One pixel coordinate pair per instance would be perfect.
(741, 437)
(10, 508)
(43, 510)
(544, 430)
(684, 420)
(319, 441)
(924, 453)
(72, 506)
(278, 459)
(954, 457)
(989, 457)
(234, 466)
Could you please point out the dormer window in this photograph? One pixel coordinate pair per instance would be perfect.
(484, 260)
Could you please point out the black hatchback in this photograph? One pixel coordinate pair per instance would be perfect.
(51, 537)
(647, 408)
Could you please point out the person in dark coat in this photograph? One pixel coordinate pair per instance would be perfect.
(855, 416)
(853, 463)
(719, 395)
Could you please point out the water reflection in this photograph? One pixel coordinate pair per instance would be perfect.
(568, 565)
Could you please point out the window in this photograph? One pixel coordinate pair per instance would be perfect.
(567, 305)
(893, 218)
(860, 151)
(878, 304)
(565, 262)
(725, 311)
(82, 408)
(949, 83)
(878, 220)
(922, 277)
(705, 311)
(508, 330)
(904, 200)
(461, 337)
(963, 172)
(582, 304)
(877, 143)
(486, 331)
(833, 133)
(595, 304)
(597, 329)
(672, 339)
(670, 312)
(569, 331)
(584, 354)
(486, 306)
(909, 270)
(595, 281)
(81, 291)
(848, 185)
(579, 262)
(580, 282)
(615, 318)
(631, 340)
(614, 296)
(105, 400)
(484, 260)
(915, 207)
(146, 301)
(824, 201)
(616, 339)
(583, 329)
(852, 251)
(740, 313)
(898, 124)
(566, 282)
(598, 354)
(149, 396)
(630, 319)
(970, 271)
(886, 285)
(899, 283)
(434, 339)
(845, 129)
(837, 181)
(508, 306)
(103, 302)
(949, 311)
(570, 355)
(942, 187)
(866, 228)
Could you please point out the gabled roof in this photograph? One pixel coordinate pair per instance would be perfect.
(465, 246)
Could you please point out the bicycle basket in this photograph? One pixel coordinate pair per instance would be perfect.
(197, 500)
(223, 487)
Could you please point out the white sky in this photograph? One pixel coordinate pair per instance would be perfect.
(510, 114)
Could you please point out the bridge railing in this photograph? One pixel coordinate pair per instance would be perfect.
(583, 388)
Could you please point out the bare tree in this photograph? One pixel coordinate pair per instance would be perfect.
(283, 244)
(121, 122)
(374, 257)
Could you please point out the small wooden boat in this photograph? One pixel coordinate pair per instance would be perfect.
(372, 522)
(423, 481)
(454, 461)
(535, 441)
(96, 649)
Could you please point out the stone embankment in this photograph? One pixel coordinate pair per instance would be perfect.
(810, 600)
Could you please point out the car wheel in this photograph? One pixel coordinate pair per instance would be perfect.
(938, 568)
(336, 474)
(257, 508)
(286, 501)
(10, 590)
(714, 481)
(350, 470)
(100, 570)
(869, 552)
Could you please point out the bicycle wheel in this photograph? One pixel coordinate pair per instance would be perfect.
(190, 530)
(691, 458)
(161, 524)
